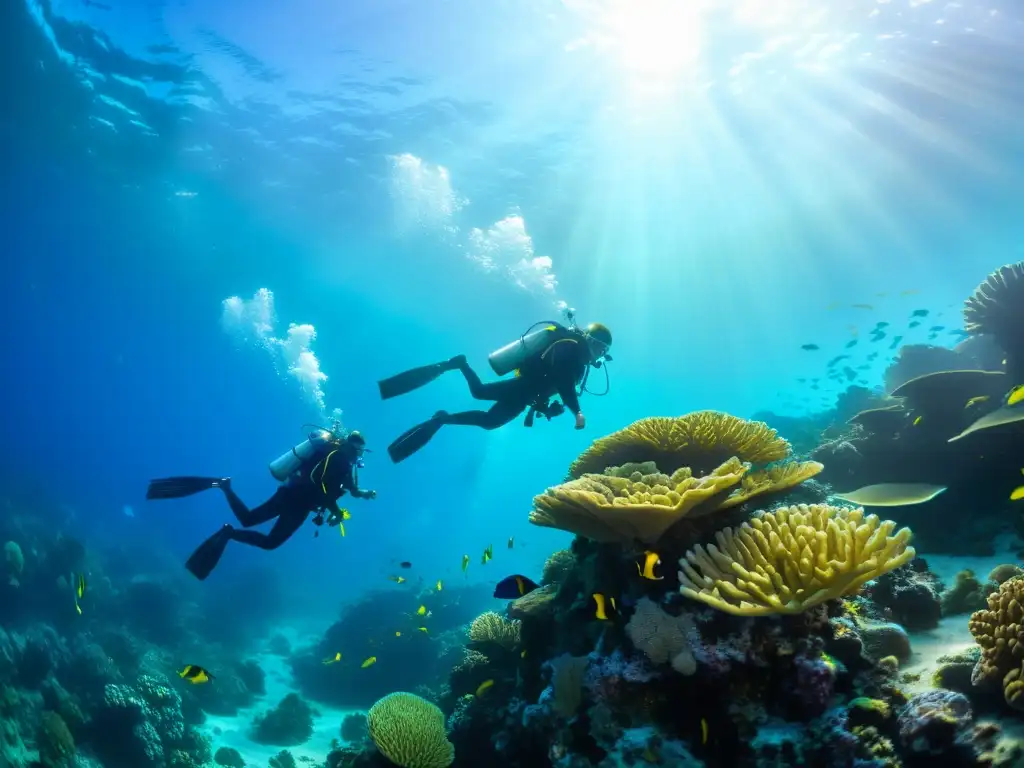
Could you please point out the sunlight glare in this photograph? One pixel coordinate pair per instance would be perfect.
(654, 41)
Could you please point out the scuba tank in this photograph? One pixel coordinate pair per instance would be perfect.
(534, 341)
(285, 465)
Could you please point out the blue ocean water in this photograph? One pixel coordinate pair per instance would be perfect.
(718, 182)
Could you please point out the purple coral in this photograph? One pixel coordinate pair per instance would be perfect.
(935, 722)
(814, 683)
(607, 676)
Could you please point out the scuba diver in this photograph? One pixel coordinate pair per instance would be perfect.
(548, 359)
(313, 475)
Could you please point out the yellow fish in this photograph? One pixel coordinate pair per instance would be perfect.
(976, 400)
(482, 688)
(602, 604)
(465, 563)
(1017, 494)
(703, 731)
(489, 553)
(341, 529)
(398, 633)
(421, 611)
(440, 584)
(334, 659)
(424, 630)
(511, 541)
(1015, 395)
(397, 579)
(195, 675)
(917, 420)
(523, 654)
(369, 662)
(80, 586)
(483, 559)
(651, 561)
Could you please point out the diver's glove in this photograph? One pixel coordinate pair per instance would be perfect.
(555, 408)
(369, 494)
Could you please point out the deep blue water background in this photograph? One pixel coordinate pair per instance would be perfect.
(117, 369)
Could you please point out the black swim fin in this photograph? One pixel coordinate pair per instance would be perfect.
(414, 439)
(401, 383)
(179, 487)
(202, 562)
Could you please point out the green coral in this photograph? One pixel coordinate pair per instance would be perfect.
(55, 743)
(410, 732)
(229, 758)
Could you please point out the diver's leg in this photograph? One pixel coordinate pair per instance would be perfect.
(268, 510)
(500, 414)
(288, 522)
(492, 390)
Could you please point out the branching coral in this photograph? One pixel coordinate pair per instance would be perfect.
(701, 440)
(999, 630)
(791, 559)
(410, 732)
(492, 628)
(639, 507)
(663, 637)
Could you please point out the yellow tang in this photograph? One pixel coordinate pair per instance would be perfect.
(482, 688)
(369, 662)
(1015, 395)
(421, 611)
(439, 585)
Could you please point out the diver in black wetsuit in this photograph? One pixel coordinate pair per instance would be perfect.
(551, 360)
(315, 475)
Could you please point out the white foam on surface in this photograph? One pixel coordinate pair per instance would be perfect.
(234, 731)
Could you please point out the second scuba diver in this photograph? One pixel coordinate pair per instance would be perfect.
(313, 475)
(548, 359)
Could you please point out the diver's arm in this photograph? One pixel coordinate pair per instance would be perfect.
(565, 364)
(348, 483)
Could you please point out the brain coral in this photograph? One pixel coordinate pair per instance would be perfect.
(410, 732)
(998, 630)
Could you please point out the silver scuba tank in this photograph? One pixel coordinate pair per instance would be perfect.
(515, 354)
(285, 465)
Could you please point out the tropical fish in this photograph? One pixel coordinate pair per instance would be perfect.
(422, 611)
(405, 564)
(851, 343)
(195, 675)
(333, 659)
(369, 662)
(483, 687)
(937, 328)
(892, 494)
(511, 541)
(398, 633)
(439, 585)
(810, 347)
(489, 553)
(919, 313)
(703, 731)
(909, 292)
(522, 655)
(602, 603)
(918, 420)
(1018, 493)
(651, 561)
(424, 630)
(397, 579)
(1015, 395)
(895, 342)
(80, 586)
(913, 324)
(862, 306)
(975, 400)
(881, 324)
(465, 563)
(514, 586)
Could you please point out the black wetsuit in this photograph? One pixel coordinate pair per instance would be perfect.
(558, 371)
(310, 489)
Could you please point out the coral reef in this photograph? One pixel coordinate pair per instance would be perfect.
(998, 630)
(286, 725)
(910, 595)
(410, 732)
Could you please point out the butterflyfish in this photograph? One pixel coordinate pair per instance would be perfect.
(195, 675)
(514, 586)
(422, 611)
(602, 603)
(369, 662)
(651, 561)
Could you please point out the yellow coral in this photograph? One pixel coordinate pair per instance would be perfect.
(702, 440)
(791, 559)
(640, 507)
(490, 627)
(999, 630)
(780, 477)
(410, 732)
